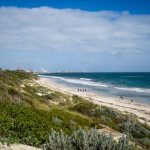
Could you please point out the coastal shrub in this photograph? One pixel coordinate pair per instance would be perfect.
(28, 125)
(9, 93)
(140, 133)
(72, 124)
(52, 96)
(145, 142)
(12, 91)
(41, 89)
(125, 123)
(3, 87)
(84, 108)
(3, 90)
(94, 110)
(107, 111)
(10, 82)
(77, 99)
(48, 97)
(56, 121)
(134, 129)
(85, 140)
(104, 115)
(16, 76)
(21, 74)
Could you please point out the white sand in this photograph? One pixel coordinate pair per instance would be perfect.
(141, 110)
(17, 147)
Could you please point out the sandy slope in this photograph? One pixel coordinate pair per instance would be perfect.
(125, 105)
(17, 147)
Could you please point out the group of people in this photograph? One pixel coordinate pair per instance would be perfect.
(81, 90)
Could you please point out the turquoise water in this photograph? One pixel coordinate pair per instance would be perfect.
(134, 86)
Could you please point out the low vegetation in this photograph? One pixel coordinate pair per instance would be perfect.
(35, 115)
(124, 123)
(85, 140)
(32, 126)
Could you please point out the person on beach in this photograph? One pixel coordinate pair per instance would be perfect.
(121, 97)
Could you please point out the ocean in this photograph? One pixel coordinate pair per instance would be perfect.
(134, 86)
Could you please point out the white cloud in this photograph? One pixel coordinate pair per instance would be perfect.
(40, 29)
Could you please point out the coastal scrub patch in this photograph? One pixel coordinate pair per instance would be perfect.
(28, 125)
(85, 140)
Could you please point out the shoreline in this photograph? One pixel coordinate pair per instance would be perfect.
(124, 105)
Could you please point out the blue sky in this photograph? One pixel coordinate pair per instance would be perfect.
(75, 35)
(134, 6)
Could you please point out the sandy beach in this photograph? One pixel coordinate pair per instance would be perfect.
(124, 105)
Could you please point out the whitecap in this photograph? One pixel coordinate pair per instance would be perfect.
(141, 90)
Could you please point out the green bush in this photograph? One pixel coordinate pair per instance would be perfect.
(31, 126)
(107, 111)
(56, 121)
(145, 142)
(84, 108)
(85, 140)
(125, 123)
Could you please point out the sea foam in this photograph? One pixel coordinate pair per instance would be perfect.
(82, 81)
